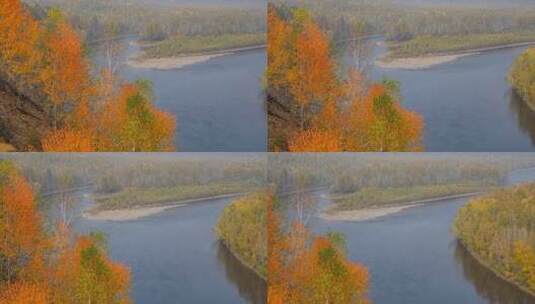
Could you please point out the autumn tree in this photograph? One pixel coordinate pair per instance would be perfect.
(334, 113)
(379, 123)
(65, 77)
(130, 122)
(22, 242)
(83, 273)
(498, 229)
(59, 268)
(522, 76)
(68, 140)
(24, 293)
(242, 228)
(312, 78)
(45, 59)
(303, 268)
(20, 36)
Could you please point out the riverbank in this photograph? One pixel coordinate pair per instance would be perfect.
(418, 63)
(172, 63)
(186, 59)
(371, 213)
(479, 260)
(127, 214)
(137, 197)
(242, 261)
(429, 60)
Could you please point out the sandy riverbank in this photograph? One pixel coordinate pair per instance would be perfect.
(178, 62)
(364, 214)
(171, 63)
(373, 213)
(418, 63)
(427, 61)
(128, 214)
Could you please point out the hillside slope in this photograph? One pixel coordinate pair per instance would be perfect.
(23, 120)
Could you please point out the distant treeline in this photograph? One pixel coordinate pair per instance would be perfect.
(401, 22)
(114, 172)
(100, 19)
(347, 173)
(499, 230)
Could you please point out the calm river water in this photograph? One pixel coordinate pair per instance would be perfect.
(218, 104)
(468, 104)
(175, 257)
(413, 257)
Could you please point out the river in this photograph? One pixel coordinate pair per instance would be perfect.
(413, 257)
(175, 257)
(218, 104)
(467, 105)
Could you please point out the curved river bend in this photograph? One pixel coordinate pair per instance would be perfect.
(413, 257)
(218, 104)
(174, 257)
(467, 105)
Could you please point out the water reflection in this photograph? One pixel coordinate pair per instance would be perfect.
(250, 286)
(486, 283)
(524, 114)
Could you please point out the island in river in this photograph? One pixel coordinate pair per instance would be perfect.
(432, 59)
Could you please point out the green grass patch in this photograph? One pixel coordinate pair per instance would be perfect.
(427, 44)
(139, 197)
(381, 197)
(185, 45)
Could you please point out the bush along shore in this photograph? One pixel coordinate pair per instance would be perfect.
(498, 229)
(522, 77)
(242, 229)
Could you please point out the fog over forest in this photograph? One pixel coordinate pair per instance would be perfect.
(205, 2)
(509, 3)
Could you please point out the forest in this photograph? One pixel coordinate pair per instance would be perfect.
(125, 181)
(522, 77)
(498, 229)
(38, 265)
(306, 268)
(363, 181)
(242, 228)
(312, 108)
(420, 29)
(299, 267)
(52, 101)
(166, 30)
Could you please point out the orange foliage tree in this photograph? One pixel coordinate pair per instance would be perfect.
(36, 268)
(25, 293)
(48, 57)
(379, 123)
(299, 61)
(20, 36)
(334, 114)
(22, 243)
(83, 273)
(65, 77)
(307, 269)
(132, 123)
(68, 140)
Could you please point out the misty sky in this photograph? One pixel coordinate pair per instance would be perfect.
(209, 2)
(471, 2)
